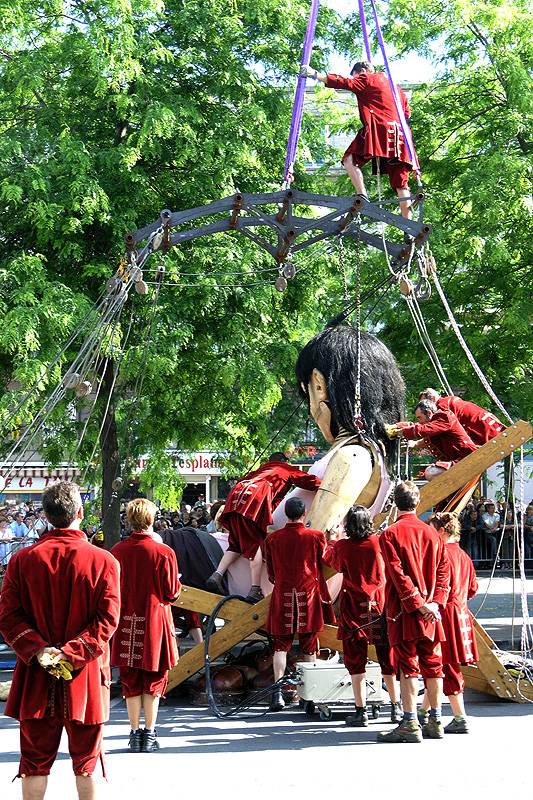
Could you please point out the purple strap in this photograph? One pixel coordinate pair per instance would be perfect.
(298, 107)
(366, 40)
(397, 100)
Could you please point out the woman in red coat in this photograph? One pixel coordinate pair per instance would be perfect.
(460, 645)
(144, 647)
(362, 600)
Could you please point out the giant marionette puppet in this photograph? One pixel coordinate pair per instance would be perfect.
(354, 390)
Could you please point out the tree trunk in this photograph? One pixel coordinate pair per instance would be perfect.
(110, 465)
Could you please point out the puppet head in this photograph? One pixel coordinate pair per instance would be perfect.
(326, 371)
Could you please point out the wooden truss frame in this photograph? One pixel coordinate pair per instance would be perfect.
(275, 222)
(243, 619)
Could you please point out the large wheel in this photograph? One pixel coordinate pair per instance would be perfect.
(325, 713)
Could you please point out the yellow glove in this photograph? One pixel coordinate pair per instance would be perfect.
(62, 669)
(392, 431)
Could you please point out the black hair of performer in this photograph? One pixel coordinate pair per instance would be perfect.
(333, 352)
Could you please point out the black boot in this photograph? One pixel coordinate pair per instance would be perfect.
(357, 720)
(136, 740)
(396, 712)
(254, 595)
(150, 742)
(215, 583)
(277, 703)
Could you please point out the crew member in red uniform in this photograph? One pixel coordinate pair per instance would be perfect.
(480, 424)
(460, 645)
(381, 136)
(144, 647)
(418, 576)
(442, 434)
(362, 600)
(300, 602)
(248, 513)
(58, 609)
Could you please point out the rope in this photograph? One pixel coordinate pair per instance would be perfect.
(477, 369)
(297, 109)
(397, 100)
(362, 17)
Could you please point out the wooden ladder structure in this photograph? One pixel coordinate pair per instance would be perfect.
(243, 620)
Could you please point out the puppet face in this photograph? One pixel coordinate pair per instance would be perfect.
(319, 408)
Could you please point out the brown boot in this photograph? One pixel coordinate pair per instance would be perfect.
(407, 731)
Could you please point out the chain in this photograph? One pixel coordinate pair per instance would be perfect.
(342, 264)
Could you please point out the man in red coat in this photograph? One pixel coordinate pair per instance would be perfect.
(361, 605)
(58, 609)
(381, 136)
(442, 434)
(480, 424)
(248, 513)
(460, 646)
(418, 576)
(145, 645)
(294, 557)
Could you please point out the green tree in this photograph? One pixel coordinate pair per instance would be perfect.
(109, 112)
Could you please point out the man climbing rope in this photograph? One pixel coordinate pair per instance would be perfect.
(381, 136)
(480, 424)
(248, 513)
(440, 432)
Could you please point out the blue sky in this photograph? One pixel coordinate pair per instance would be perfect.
(409, 69)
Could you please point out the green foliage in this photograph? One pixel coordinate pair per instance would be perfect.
(160, 479)
(114, 110)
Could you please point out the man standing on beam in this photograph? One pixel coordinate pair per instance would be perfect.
(381, 138)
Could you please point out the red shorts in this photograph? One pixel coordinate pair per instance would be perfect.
(308, 642)
(185, 619)
(398, 171)
(39, 743)
(245, 535)
(418, 657)
(356, 654)
(140, 681)
(454, 683)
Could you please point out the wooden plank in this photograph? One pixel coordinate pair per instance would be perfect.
(474, 679)
(204, 602)
(246, 622)
(474, 464)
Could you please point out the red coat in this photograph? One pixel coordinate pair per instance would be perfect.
(443, 435)
(362, 597)
(418, 572)
(149, 582)
(294, 558)
(258, 493)
(381, 134)
(460, 645)
(63, 592)
(480, 424)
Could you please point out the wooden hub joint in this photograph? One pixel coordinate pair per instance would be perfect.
(282, 213)
(237, 206)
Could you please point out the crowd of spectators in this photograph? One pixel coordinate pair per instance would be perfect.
(489, 532)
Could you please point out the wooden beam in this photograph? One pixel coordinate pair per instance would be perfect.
(246, 622)
(204, 602)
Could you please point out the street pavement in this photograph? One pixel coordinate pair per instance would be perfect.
(279, 755)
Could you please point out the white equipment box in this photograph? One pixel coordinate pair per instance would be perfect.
(322, 682)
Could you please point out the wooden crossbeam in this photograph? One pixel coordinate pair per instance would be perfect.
(243, 619)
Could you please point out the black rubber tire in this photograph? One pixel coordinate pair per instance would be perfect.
(325, 714)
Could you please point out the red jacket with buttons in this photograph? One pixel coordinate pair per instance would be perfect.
(300, 601)
(149, 582)
(257, 494)
(418, 572)
(381, 134)
(480, 424)
(443, 435)
(64, 592)
(362, 596)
